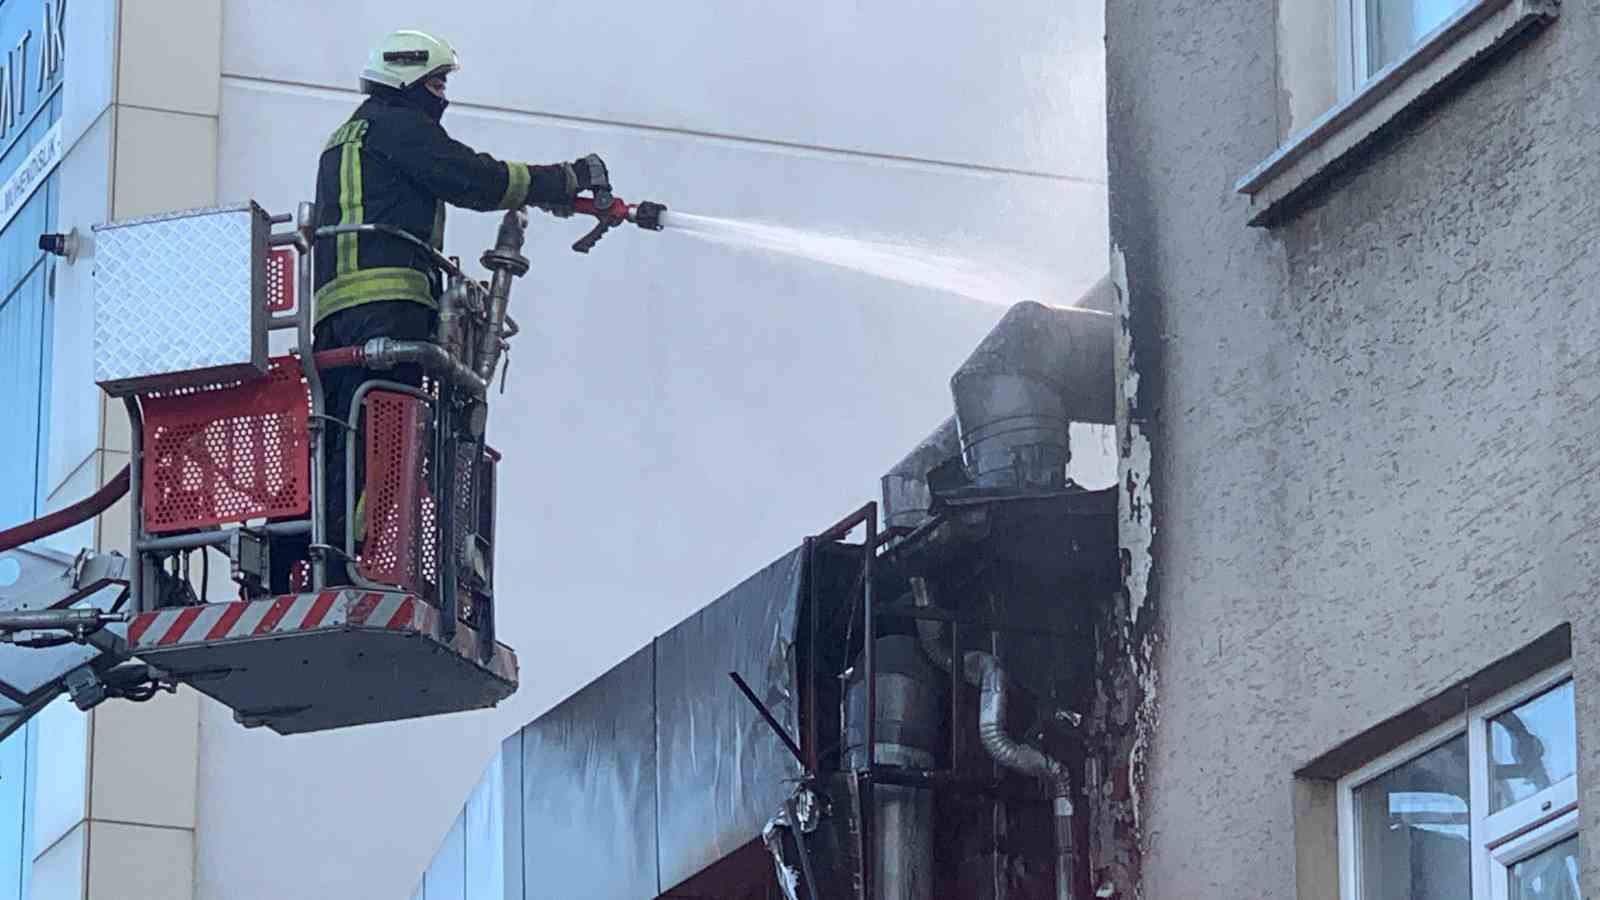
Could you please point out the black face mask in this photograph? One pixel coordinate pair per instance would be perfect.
(419, 96)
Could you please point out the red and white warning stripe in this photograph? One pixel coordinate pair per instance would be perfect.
(280, 615)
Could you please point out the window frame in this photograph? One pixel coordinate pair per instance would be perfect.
(1496, 841)
(1368, 106)
(1530, 843)
(1351, 47)
(1355, 52)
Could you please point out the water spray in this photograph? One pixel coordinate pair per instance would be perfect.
(908, 264)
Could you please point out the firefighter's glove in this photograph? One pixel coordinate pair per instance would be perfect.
(591, 174)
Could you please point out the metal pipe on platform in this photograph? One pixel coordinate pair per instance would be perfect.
(895, 717)
(386, 353)
(305, 224)
(218, 537)
(506, 262)
(452, 321)
(984, 670)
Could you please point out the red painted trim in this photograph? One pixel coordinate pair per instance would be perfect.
(319, 609)
(141, 624)
(226, 623)
(363, 609)
(279, 609)
(180, 626)
(402, 616)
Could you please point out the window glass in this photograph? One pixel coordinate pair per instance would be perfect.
(13, 813)
(1395, 26)
(24, 367)
(1551, 875)
(1532, 747)
(1414, 828)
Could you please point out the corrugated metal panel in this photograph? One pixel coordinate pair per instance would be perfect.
(649, 774)
(721, 774)
(589, 791)
(179, 299)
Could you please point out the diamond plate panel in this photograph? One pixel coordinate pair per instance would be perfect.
(180, 299)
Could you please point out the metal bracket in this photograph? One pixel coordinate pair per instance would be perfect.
(250, 559)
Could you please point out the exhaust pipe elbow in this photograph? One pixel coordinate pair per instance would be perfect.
(983, 670)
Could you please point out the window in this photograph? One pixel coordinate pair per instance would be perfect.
(1348, 69)
(1382, 32)
(16, 812)
(1484, 807)
(25, 336)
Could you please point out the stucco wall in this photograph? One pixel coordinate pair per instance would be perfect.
(1372, 427)
(677, 413)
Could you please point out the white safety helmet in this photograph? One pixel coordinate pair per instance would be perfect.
(404, 58)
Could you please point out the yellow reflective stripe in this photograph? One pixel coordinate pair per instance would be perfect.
(517, 179)
(351, 207)
(370, 285)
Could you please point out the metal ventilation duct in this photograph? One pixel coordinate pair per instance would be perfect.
(1038, 370)
(906, 497)
(660, 767)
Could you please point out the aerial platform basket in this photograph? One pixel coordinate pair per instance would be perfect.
(309, 662)
(193, 311)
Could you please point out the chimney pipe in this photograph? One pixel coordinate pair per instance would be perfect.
(1038, 370)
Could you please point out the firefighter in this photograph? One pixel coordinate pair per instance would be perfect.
(392, 163)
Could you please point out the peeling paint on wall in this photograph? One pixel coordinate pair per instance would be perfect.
(1136, 527)
(1124, 712)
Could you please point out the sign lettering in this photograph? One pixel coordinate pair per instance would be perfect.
(53, 44)
(41, 161)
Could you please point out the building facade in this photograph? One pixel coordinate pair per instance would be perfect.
(1358, 408)
(97, 120)
(673, 407)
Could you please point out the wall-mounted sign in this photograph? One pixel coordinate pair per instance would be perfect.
(30, 64)
(35, 168)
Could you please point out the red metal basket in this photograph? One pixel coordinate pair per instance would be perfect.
(398, 514)
(227, 454)
(280, 279)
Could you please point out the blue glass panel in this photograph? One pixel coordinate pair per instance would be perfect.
(23, 360)
(13, 809)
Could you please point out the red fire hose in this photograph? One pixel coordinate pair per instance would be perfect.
(66, 517)
(338, 358)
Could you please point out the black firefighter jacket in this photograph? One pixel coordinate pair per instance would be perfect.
(392, 164)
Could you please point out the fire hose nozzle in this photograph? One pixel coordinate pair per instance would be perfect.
(647, 215)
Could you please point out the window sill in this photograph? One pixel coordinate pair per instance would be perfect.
(1455, 48)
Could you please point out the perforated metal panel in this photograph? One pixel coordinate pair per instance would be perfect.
(397, 509)
(280, 279)
(228, 453)
(473, 504)
(180, 299)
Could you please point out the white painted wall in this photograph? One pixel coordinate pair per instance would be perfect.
(678, 413)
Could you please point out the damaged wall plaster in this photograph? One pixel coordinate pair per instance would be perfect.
(1125, 704)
